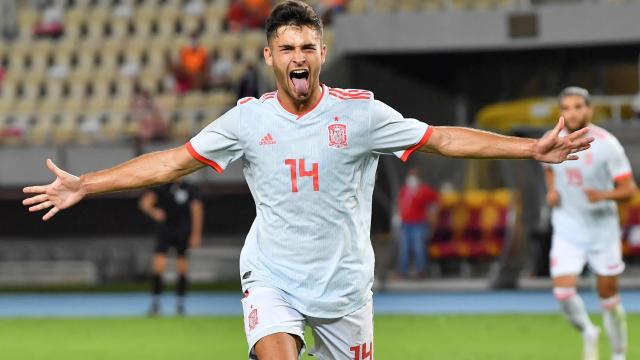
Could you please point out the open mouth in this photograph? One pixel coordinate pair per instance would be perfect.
(300, 80)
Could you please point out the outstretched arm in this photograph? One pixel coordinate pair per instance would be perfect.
(146, 170)
(472, 143)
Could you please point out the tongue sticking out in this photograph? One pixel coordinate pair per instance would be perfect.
(301, 85)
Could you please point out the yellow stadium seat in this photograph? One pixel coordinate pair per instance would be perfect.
(191, 101)
(475, 198)
(114, 128)
(182, 128)
(216, 10)
(65, 128)
(168, 102)
(40, 132)
(503, 197)
(357, 6)
(95, 33)
(120, 104)
(408, 5)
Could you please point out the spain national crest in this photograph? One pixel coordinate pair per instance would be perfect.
(338, 135)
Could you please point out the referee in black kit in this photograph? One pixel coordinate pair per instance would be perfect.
(178, 210)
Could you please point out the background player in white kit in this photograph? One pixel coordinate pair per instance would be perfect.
(310, 153)
(586, 227)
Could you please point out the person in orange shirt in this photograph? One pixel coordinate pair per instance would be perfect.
(194, 62)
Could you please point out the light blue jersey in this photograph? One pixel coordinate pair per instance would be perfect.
(590, 225)
(312, 178)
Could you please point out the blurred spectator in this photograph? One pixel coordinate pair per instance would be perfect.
(50, 24)
(329, 8)
(152, 125)
(416, 203)
(130, 69)
(236, 17)
(258, 11)
(247, 14)
(8, 19)
(123, 10)
(194, 7)
(220, 71)
(191, 71)
(12, 131)
(249, 84)
(58, 71)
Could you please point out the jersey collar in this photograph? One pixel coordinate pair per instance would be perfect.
(299, 116)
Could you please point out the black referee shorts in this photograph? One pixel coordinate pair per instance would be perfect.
(167, 241)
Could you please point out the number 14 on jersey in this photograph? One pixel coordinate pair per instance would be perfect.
(298, 169)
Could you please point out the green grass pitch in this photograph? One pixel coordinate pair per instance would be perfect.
(396, 337)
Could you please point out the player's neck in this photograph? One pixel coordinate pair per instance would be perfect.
(299, 107)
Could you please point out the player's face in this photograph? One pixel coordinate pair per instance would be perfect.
(296, 55)
(577, 114)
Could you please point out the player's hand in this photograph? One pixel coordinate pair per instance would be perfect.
(553, 198)
(554, 149)
(158, 215)
(65, 191)
(195, 240)
(593, 195)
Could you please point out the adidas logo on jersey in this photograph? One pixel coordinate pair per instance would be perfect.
(267, 140)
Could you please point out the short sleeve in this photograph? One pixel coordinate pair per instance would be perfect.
(217, 145)
(618, 163)
(391, 133)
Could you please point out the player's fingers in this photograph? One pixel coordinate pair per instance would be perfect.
(50, 213)
(35, 199)
(578, 134)
(573, 151)
(44, 205)
(559, 126)
(572, 157)
(35, 189)
(54, 169)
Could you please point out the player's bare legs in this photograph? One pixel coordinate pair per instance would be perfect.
(159, 263)
(613, 315)
(278, 346)
(573, 308)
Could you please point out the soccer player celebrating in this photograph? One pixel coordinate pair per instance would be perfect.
(586, 227)
(310, 154)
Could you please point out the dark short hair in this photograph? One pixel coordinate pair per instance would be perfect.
(291, 13)
(576, 91)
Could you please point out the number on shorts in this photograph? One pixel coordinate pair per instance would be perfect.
(360, 352)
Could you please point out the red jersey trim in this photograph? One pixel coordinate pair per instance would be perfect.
(623, 176)
(298, 116)
(203, 159)
(351, 92)
(349, 97)
(425, 138)
(245, 100)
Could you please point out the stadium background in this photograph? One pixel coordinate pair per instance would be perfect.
(76, 286)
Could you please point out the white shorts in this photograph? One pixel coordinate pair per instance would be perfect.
(267, 312)
(567, 258)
